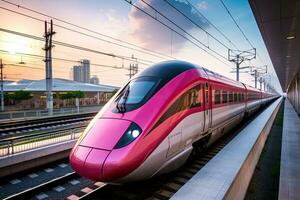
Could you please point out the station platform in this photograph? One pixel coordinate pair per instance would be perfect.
(228, 174)
(289, 187)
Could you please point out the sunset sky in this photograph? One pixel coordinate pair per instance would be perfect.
(116, 21)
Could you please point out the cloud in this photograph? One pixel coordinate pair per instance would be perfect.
(203, 5)
(151, 34)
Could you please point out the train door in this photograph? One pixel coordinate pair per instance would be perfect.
(207, 107)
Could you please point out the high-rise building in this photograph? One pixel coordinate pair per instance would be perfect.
(94, 80)
(77, 73)
(85, 64)
(81, 73)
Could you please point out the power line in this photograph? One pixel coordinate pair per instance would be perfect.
(76, 47)
(215, 27)
(229, 13)
(19, 6)
(157, 54)
(195, 23)
(246, 38)
(228, 49)
(179, 27)
(170, 28)
(59, 59)
(25, 66)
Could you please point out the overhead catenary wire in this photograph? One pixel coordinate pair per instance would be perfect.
(172, 29)
(91, 30)
(240, 29)
(235, 22)
(214, 26)
(218, 30)
(137, 60)
(140, 48)
(179, 27)
(60, 59)
(196, 24)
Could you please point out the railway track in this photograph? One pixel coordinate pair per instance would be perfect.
(164, 187)
(158, 188)
(72, 178)
(45, 186)
(16, 128)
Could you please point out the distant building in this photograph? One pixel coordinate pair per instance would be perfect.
(77, 73)
(81, 73)
(85, 64)
(94, 80)
(93, 94)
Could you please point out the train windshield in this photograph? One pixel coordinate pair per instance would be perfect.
(136, 93)
(138, 90)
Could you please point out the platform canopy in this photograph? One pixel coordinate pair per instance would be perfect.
(279, 24)
(58, 85)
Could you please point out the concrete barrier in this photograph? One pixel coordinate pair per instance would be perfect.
(18, 162)
(229, 173)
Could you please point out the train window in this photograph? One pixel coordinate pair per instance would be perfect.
(249, 97)
(224, 96)
(235, 97)
(230, 99)
(189, 99)
(217, 97)
(239, 97)
(193, 97)
(242, 96)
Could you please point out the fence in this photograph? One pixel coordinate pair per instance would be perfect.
(44, 113)
(10, 146)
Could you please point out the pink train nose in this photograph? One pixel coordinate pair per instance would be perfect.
(88, 158)
(105, 133)
(93, 167)
(77, 158)
(88, 162)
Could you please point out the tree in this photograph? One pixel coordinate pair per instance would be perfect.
(114, 92)
(71, 95)
(18, 95)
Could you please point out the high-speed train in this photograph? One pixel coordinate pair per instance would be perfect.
(153, 124)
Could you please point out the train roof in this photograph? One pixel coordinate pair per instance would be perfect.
(223, 79)
(167, 70)
(250, 88)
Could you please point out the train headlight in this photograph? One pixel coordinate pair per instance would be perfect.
(129, 136)
(135, 133)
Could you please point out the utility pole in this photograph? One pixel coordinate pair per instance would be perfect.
(238, 57)
(255, 77)
(2, 91)
(260, 83)
(257, 73)
(133, 68)
(48, 62)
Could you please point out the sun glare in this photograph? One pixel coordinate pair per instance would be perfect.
(15, 45)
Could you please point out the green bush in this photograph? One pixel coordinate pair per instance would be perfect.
(18, 95)
(71, 95)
